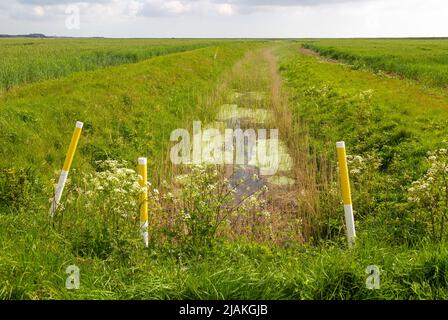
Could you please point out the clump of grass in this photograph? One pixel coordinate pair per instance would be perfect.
(16, 188)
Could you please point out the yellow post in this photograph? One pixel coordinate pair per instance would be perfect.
(143, 203)
(346, 194)
(66, 167)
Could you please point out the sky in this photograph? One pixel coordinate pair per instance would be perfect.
(226, 18)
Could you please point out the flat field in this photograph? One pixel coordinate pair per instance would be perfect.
(286, 242)
(26, 60)
(424, 60)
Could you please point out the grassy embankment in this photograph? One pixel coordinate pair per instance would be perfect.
(424, 60)
(129, 111)
(391, 123)
(326, 106)
(31, 60)
(389, 126)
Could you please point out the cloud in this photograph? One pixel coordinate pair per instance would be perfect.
(165, 8)
(225, 9)
(58, 2)
(132, 8)
(230, 7)
(229, 18)
(284, 3)
(251, 6)
(176, 8)
(55, 10)
(39, 11)
(33, 13)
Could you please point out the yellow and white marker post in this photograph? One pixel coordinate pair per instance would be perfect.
(346, 194)
(68, 162)
(143, 203)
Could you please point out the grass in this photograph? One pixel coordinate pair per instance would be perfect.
(396, 121)
(33, 263)
(423, 60)
(30, 60)
(130, 110)
(417, 110)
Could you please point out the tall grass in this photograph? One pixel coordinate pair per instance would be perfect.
(31, 60)
(130, 110)
(257, 73)
(423, 60)
(385, 125)
(34, 258)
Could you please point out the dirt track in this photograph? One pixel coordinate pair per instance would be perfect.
(309, 52)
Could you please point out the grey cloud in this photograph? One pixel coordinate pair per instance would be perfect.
(247, 7)
(152, 10)
(155, 8)
(252, 6)
(283, 3)
(161, 8)
(56, 2)
(27, 14)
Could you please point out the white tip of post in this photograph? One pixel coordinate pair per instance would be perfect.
(340, 144)
(146, 239)
(79, 124)
(142, 160)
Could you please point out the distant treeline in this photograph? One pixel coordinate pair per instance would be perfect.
(33, 35)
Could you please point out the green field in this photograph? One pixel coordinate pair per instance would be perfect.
(424, 60)
(395, 129)
(29, 60)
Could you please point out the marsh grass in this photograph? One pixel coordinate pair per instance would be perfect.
(388, 141)
(130, 110)
(257, 73)
(31, 60)
(423, 60)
